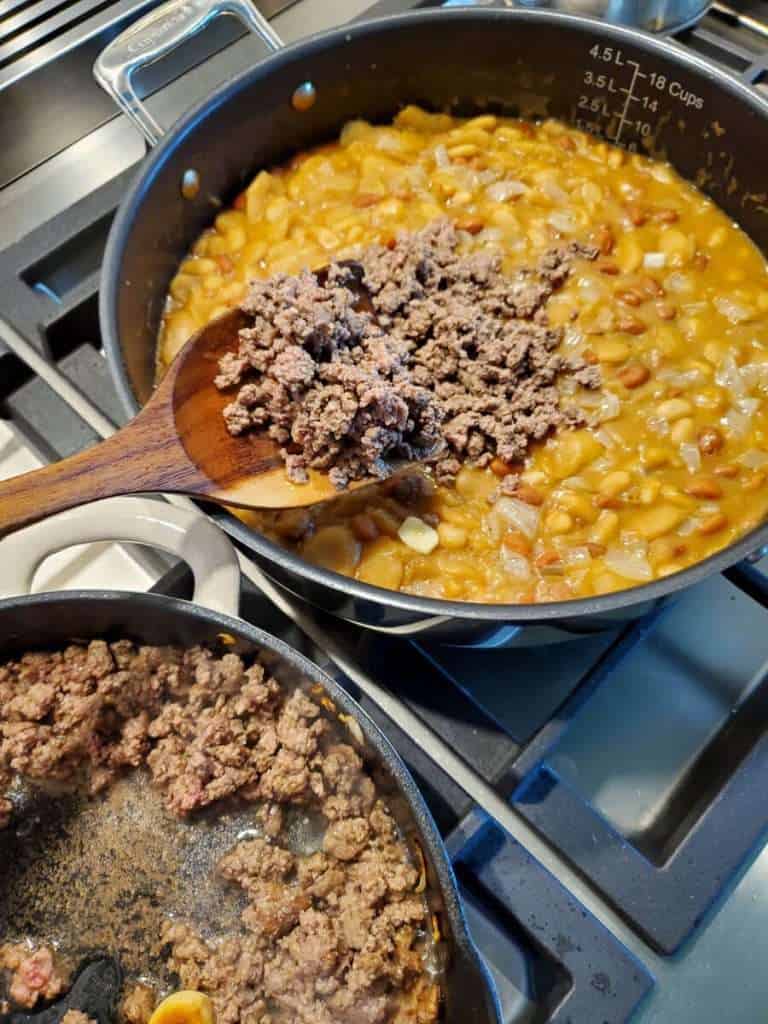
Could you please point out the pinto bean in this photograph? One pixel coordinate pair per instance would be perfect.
(633, 375)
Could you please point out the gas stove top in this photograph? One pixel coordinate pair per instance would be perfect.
(603, 798)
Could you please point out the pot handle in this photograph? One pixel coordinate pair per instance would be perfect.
(189, 535)
(159, 33)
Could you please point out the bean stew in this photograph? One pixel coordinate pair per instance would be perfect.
(672, 463)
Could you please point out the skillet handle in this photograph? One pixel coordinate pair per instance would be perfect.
(155, 36)
(189, 535)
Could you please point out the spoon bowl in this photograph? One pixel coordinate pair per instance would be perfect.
(178, 444)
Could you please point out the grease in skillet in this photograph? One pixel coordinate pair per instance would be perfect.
(674, 311)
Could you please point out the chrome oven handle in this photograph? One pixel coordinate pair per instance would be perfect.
(159, 33)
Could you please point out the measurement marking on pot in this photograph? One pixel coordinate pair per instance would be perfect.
(630, 94)
(604, 106)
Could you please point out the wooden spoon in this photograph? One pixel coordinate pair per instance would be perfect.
(178, 443)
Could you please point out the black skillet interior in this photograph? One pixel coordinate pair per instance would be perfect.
(55, 619)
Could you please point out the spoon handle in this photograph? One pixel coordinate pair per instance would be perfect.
(143, 456)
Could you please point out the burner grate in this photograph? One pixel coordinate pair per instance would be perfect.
(47, 50)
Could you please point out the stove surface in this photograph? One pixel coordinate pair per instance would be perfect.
(603, 798)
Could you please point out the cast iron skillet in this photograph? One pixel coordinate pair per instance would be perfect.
(53, 619)
(711, 127)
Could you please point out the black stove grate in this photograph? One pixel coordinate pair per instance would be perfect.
(661, 880)
(47, 50)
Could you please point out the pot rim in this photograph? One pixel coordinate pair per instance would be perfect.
(420, 813)
(437, 608)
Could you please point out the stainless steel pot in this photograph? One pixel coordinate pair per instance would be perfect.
(710, 126)
(49, 620)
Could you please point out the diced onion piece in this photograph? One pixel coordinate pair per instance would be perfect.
(418, 535)
(680, 379)
(753, 459)
(590, 290)
(755, 375)
(389, 142)
(592, 193)
(634, 542)
(501, 191)
(678, 282)
(604, 438)
(654, 260)
(688, 526)
(576, 556)
(549, 187)
(562, 221)
(591, 399)
(441, 156)
(354, 727)
(516, 565)
(658, 425)
(522, 515)
(735, 312)
(736, 423)
(576, 483)
(603, 321)
(691, 456)
(630, 564)
(729, 376)
(610, 407)
(416, 175)
(748, 406)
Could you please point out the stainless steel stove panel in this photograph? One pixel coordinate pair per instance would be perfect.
(70, 140)
(673, 693)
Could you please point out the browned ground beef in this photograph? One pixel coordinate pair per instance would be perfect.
(206, 727)
(77, 1017)
(455, 352)
(33, 973)
(332, 936)
(138, 1004)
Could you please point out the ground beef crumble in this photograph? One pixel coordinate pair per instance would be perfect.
(77, 1017)
(330, 936)
(33, 974)
(138, 1004)
(451, 356)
